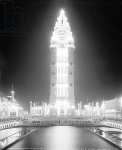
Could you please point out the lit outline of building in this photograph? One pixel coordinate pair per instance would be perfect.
(9, 107)
(62, 64)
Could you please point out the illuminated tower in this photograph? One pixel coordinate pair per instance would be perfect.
(62, 74)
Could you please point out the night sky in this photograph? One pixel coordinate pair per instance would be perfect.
(25, 31)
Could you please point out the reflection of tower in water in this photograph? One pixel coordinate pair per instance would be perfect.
(62, 64)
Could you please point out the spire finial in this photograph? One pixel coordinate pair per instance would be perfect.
(12, 87)
(12, 92)
(62, 11)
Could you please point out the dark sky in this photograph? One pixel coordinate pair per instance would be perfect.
(25, 31)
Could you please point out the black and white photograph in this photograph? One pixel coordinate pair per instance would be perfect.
(60, 75)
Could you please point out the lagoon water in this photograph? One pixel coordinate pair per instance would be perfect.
(62, 138)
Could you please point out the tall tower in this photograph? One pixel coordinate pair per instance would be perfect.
(62, 63)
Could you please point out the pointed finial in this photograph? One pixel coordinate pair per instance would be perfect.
(12, 87)
(62, 11)
(62, 14)
(12, 92)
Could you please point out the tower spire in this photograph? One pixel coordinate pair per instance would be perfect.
(62, 34)
(12, 93)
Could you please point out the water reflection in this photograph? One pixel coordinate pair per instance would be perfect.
(62, 138)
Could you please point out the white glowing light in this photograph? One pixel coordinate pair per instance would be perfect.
(63, 104)
(103, 106)
(59, 105)
(121, 101)
(62, 41)
(62, 35)
(9, 107)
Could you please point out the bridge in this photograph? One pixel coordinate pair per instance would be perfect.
(58, 121)
(38, 121)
